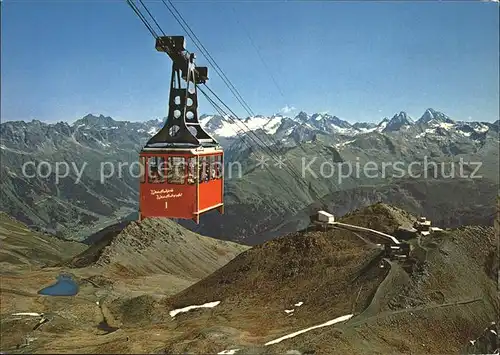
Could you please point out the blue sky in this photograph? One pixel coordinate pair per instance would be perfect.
(360, 61)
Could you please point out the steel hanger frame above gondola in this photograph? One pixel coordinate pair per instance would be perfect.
(182, 127)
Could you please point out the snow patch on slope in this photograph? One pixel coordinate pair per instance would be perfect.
(174, 312)
(292, 335)
(343, 144)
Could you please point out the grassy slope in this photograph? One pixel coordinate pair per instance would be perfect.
(22, 247)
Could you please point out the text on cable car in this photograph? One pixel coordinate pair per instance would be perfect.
(165, 193)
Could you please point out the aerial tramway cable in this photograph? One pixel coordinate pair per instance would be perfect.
(254, 45)
(185, 26)
(152, 17)
(223, 113)
(249, 132)
(300, 124)
(142, 18)
(202, 48)
(227, 82)
(289, 169)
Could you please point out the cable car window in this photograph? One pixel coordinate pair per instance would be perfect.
(208, 168)
(218, 166)
(215, 165)
(211, 170)
(192, 170)
(203, 170)
(162, 167)
(176, 173)
(156, 175)
(221, 167)
(142, 169)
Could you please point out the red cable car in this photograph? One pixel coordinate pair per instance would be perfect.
(182, 165)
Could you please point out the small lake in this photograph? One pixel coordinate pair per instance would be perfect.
(64, 286)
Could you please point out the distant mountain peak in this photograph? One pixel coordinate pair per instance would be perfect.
(339, 122)
(433, 115)
(382, 124)
(94, 120)
(215, 122)
(428, 115)
(403, 115)
(91, 115)
(317, 116)
(302, 116)
(399, 121)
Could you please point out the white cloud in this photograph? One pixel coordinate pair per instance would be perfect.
(287, 109)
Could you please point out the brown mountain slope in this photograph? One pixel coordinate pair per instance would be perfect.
(126, 264)
(448, 303)
(23, 247)
(157, 246)
(309, 267)
(381, 217)
(443, 303)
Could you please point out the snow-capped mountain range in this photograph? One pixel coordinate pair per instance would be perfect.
(104, 132)
(431, 122)
(95, 139)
